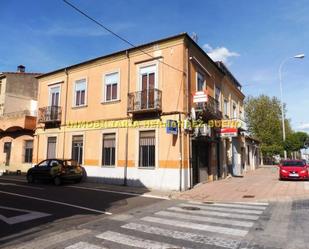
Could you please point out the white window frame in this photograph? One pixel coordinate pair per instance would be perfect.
(71, 143)
(74, 92)
(219, 100)
(56, 148)
(234, 111)
(50, 87)
(109, 131)
(156, 149)
(196, 80)
(156, 72)
(104, 100)
(226, 107)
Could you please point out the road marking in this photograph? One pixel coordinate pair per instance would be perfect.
(220, 242)
(208, 213)
(197, 226)
(122, 192)
(253, 203)
(133, 241)
(230, 205)
(18, 185)
(205, 219)
(52, 240)
(57, 202)
(31, 215)
(306, 185)
(84, 245)
(203, 207)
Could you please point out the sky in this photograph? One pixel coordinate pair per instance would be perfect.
(251, 37)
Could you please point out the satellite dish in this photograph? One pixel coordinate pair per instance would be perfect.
(193, 114)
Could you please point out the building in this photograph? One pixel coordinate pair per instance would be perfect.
(141, 116)
(18, 105)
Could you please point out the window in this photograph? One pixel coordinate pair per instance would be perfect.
(217, 97)
(0, 86)
(28, 151)
(80, 92)
(51, 147)
(234, 110)
(201, 83)
(111, 87)
(147, 149)
(54, 95)
(108, 150)
(147, 85)
(77, 148)
(45, 163)
(225, 108)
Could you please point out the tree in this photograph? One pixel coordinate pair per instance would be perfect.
(264, 120)
(295, 141)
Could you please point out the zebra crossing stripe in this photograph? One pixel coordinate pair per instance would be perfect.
(221, 214)
(227, 243)
(84, 245)
(196, 226)
(253, 203)
(232, 205)
(241, 211)
(205, 219)
(133, 241)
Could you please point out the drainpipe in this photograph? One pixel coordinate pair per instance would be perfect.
(125, 181)
(65, 110)
(180, 153)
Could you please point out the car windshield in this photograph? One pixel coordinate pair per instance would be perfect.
(293, 163)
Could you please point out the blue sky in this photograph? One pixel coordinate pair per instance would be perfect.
(252, 37)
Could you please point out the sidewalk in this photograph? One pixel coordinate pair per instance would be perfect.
(259, 185)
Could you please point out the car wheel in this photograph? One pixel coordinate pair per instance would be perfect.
(57, 181)
(30, 179)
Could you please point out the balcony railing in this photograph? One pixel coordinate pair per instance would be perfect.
(210, 108)
(145, 101)
(50, 114)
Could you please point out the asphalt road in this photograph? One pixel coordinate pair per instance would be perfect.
(25, 207)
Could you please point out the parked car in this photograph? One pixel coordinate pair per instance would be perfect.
(293, 169)
(56, 170)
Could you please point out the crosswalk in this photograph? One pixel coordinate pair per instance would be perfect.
(184, 225)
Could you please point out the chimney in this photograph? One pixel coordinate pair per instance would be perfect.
(21, 69)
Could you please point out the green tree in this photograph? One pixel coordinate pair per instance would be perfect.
(264, 120)
(296, 141)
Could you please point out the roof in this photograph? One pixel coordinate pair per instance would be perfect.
(4, 74)
(181, 35)
(228, 73)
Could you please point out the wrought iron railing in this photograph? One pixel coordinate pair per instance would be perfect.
(49, 114)
(212, 106)
(145, 100)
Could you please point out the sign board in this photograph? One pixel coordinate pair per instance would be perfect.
(228, 132)
(172, 127)
(200, 97)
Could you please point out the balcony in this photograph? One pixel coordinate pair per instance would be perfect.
(145, 101)
(210, 109)
(49, 114)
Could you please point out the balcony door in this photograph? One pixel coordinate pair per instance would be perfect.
(54, 101)
(148, 84)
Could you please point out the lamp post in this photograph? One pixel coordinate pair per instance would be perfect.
(298, 56)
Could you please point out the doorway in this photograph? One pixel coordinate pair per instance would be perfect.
(200, 161)
(7, 150)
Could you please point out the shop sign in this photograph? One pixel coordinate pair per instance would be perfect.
(172, 127)
(228, 132)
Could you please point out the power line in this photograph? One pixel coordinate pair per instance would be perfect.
(118, 36)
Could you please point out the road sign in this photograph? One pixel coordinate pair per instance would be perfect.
(200, 97)
(172, 127)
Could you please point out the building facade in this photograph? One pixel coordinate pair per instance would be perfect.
(18, 105)
(140, 117)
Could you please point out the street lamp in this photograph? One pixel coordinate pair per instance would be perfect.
(298, 56)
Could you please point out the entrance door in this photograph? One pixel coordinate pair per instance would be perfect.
(77, 148)
(147, 87)
(51, 147)
(200, 161)
(7, 151)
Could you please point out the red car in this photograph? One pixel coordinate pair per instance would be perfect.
(293, 169)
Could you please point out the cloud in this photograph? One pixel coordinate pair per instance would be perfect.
(304, 126)
(219, 53)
